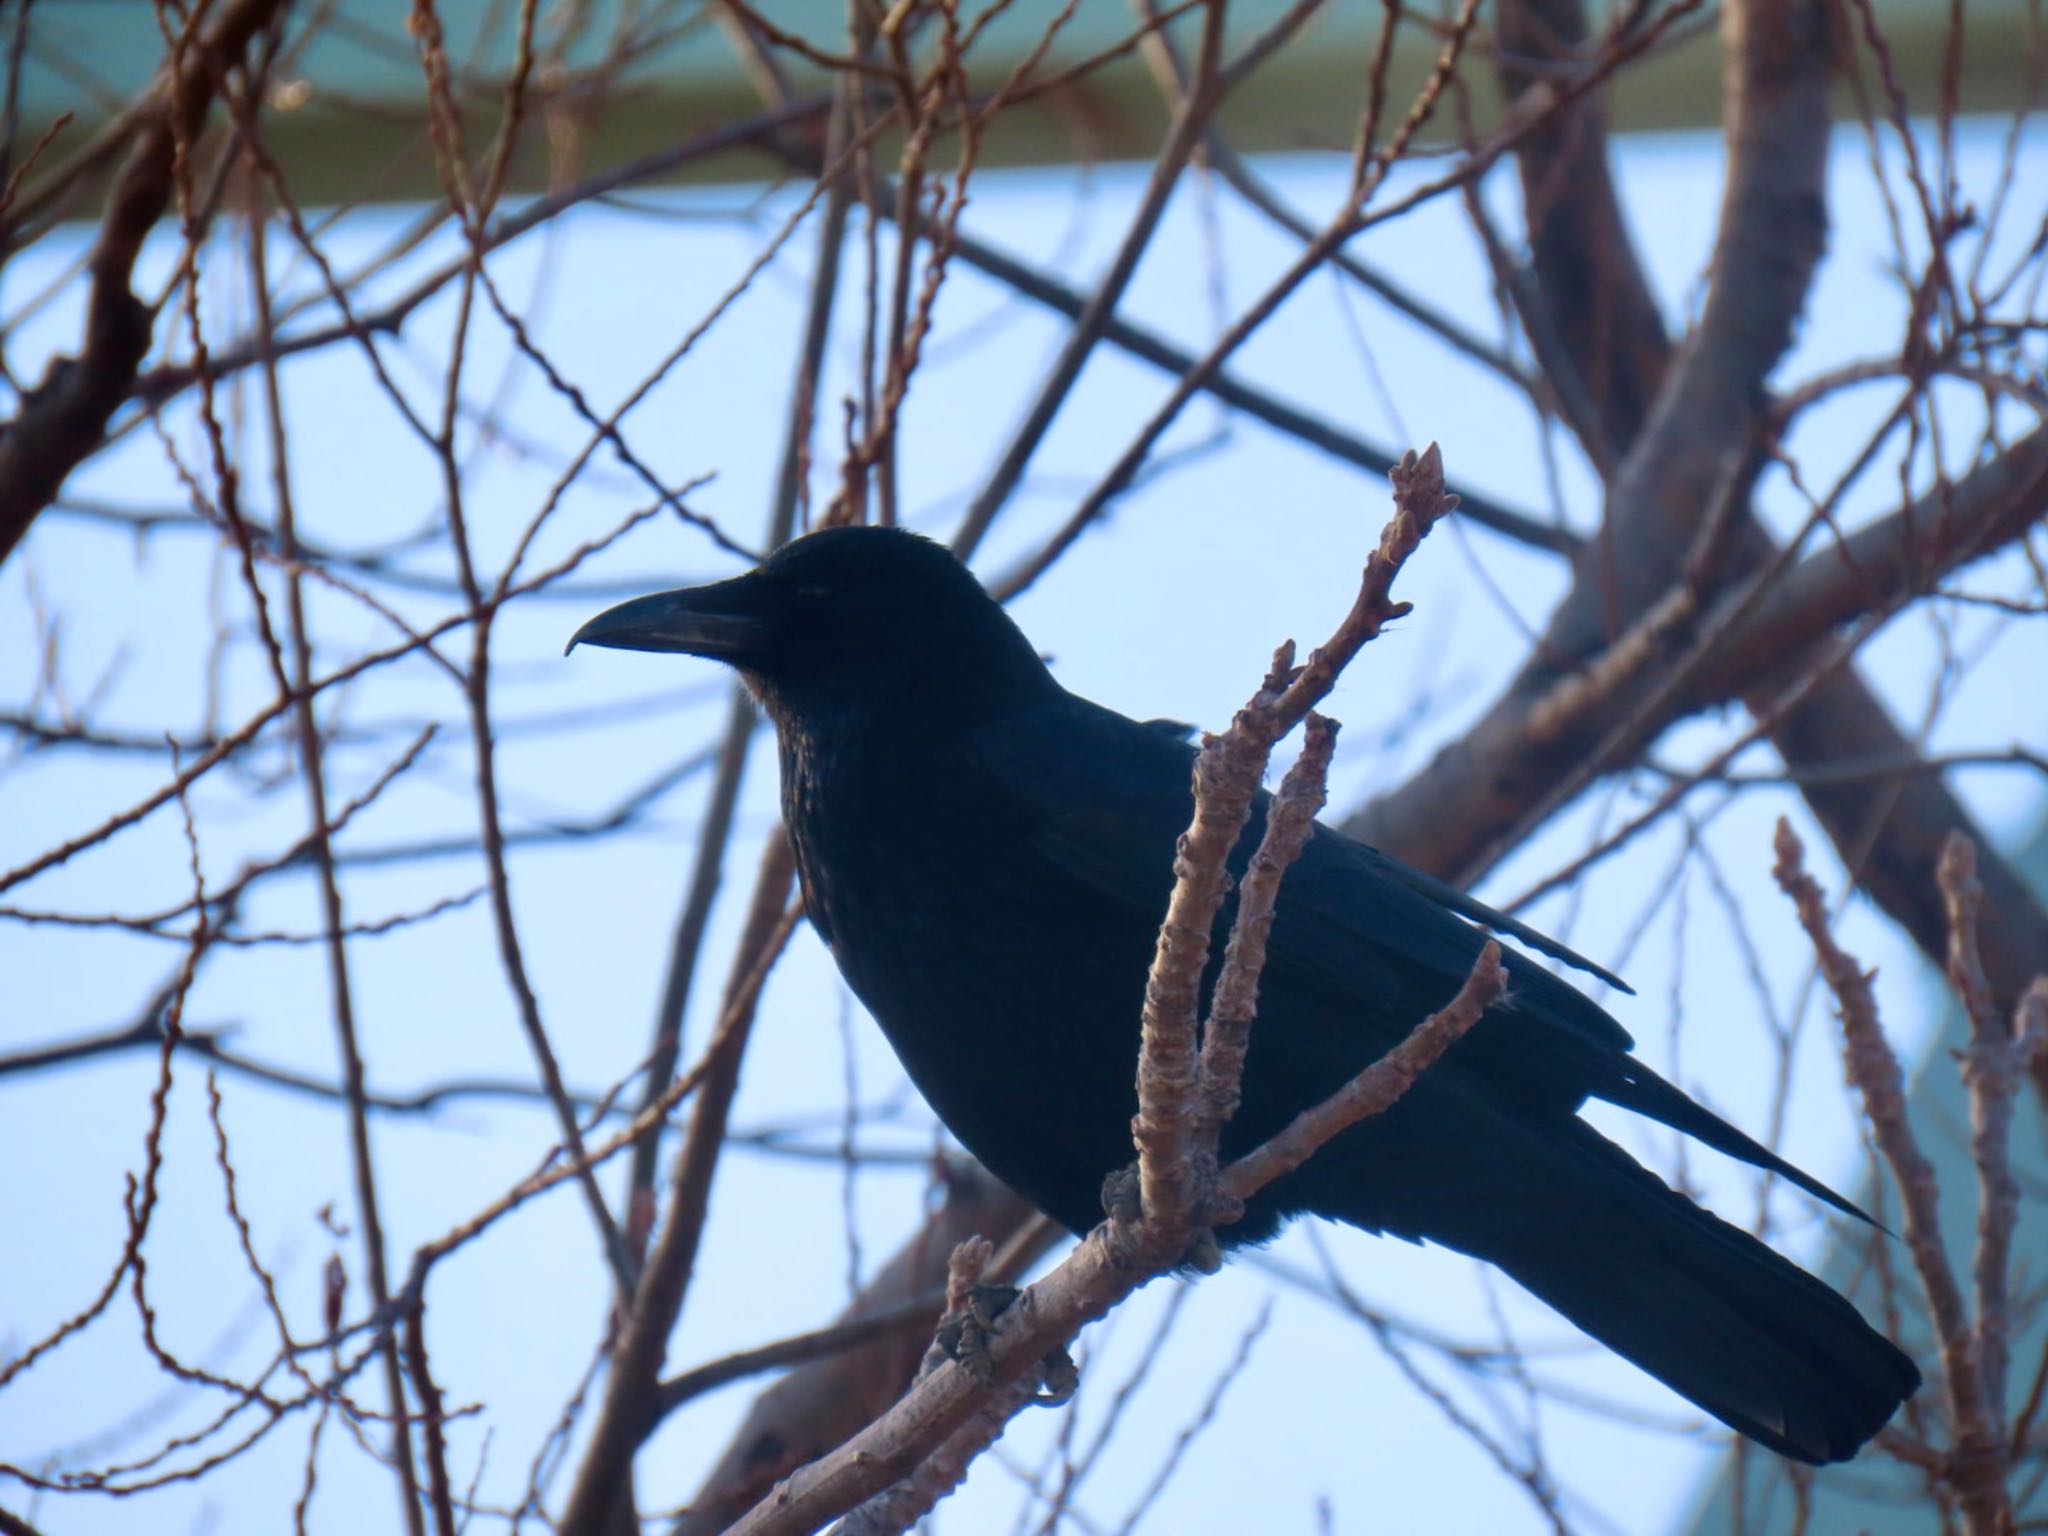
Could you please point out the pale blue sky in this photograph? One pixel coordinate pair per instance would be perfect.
(1170, 609)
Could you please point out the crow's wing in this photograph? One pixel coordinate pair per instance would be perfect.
(1104, 798)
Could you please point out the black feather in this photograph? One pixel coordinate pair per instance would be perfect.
(989, 856)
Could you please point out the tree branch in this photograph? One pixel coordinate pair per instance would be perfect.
(62, 420)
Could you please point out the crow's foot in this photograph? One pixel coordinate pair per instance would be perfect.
(964, 1336)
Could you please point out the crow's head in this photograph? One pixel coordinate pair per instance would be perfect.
(862, 618)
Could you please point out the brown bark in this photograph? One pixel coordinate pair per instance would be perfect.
(1599, 322)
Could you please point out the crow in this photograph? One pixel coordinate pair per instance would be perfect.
(988, 857)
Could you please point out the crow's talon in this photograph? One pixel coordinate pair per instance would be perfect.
(1124, 1204)
(1122, 1198)
(986, 1303)
(964, 1336)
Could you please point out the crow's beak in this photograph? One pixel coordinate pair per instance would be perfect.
(722, 621)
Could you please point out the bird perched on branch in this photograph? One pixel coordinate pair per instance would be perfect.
(988, 858)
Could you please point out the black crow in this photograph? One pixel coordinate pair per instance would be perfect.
(988, 858)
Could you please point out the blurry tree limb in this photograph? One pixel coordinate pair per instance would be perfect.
(206, 1043)
(1360, 213)
(632, 1391)
(1171, 73)
(1778, 62)
(61, 420)
(1600, 322)
(1891, 560)
(1875, 768)
(1482, 793)
(226, 746)
(1888, 832)
(1476, 798)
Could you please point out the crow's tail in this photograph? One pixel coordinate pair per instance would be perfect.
(1701, 1305)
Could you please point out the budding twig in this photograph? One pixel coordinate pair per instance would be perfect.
(1290, 823)
(1976, 1466)
(1181, 1105)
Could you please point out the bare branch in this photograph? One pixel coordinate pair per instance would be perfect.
(1977, 1464)
(61, 421)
